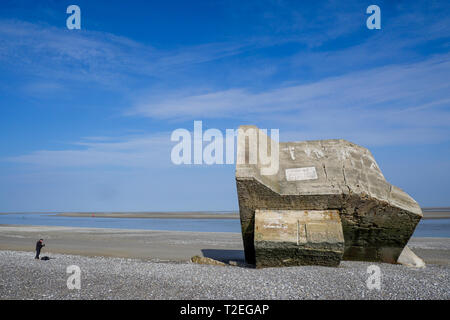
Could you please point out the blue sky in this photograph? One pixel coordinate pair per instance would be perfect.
(86, 115)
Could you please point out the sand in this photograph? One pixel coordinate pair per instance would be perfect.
(162, 245)
(142, 244)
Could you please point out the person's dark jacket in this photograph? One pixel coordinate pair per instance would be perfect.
(39, 246)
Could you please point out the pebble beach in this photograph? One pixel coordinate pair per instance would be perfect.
(120, 278)
(131, 264)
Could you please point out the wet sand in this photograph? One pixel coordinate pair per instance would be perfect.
(125, 243)
(162, 245)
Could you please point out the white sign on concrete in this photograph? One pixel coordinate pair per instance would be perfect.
(299, 174)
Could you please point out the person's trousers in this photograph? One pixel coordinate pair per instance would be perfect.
(38, 252)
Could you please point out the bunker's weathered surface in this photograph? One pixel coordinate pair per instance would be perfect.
(325, 175)
(294, 237)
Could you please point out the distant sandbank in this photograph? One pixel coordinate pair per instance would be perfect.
(159, 215)
(150, 214)
(436, 213)
(428, 213)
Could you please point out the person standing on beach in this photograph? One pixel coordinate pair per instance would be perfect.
(39, 246)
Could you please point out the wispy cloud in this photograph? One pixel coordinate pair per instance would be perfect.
(56, 54)
(397, 100)
(144, 151)
(90, 56)
(402, 85)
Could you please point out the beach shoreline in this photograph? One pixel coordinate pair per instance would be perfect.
(161, 245)
(428, 213)
(23, 277)
(124, 243)
(144, 264)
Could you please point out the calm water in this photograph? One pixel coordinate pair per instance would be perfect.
(426, 228)
(439, 228)
(198, 225)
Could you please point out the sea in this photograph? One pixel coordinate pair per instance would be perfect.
(439, 228)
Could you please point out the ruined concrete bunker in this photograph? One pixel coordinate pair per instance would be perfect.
(327, 202)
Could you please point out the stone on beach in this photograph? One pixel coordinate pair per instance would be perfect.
(377, 218)
(410, 259)
(206, 260)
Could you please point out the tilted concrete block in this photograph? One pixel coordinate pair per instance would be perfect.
(377, 218)
(298, 237)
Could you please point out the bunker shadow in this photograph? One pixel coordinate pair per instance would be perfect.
(230, 257)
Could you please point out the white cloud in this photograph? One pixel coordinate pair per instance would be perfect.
(416, 85)
(129, 152)
(397, 103)
(100, 57)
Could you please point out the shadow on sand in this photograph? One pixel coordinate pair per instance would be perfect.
(225, 256)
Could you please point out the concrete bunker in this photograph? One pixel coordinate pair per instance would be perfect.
(328, 201)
